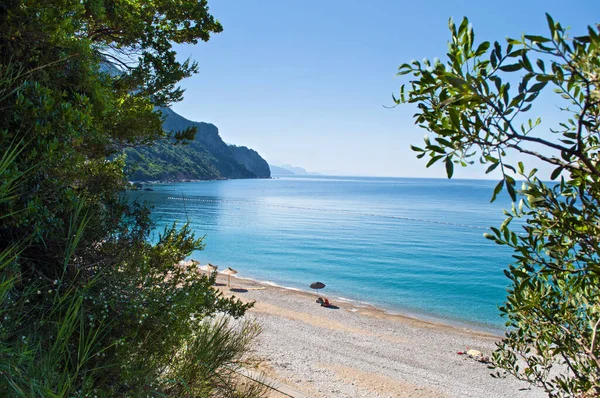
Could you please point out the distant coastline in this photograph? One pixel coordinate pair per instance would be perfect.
(178, 180)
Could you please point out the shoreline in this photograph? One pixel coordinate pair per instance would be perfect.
(372, 309)
(361, 351)
(191, 180)
(463, 297)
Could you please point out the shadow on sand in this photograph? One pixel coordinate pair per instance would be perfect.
(238, 290)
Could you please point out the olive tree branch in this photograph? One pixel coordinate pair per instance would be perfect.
(579, 341)
(513, 134)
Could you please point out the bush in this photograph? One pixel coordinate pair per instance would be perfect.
(89, 307)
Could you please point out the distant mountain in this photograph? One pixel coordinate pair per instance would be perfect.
(207, 157)
(297, 170)
(293, 169)
(280, 171)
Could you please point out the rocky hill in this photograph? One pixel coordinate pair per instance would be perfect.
(207, 157)
(250, 159)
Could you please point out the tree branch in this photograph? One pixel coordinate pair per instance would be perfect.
(513, 134)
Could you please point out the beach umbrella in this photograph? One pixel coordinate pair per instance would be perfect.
(209, 268)
(317, 286)
(229, 271)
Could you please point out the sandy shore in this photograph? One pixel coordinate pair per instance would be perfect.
(356, 351)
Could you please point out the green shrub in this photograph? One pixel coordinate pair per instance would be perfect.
(88, 307)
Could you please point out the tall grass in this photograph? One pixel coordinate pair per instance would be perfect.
(49, 347)
(209, 361)
(45, 344)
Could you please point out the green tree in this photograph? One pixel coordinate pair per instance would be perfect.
(477, 106)
(88, 306)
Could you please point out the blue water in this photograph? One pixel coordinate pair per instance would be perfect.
(413, 246)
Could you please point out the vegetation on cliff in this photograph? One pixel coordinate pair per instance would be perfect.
(206, 157)
(250, 159)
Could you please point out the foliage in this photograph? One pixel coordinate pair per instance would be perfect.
(42, 325)
(88, 306)
(476, 106)
(206, 157)
(163, 162)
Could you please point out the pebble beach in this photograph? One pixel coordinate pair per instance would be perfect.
(361, 351)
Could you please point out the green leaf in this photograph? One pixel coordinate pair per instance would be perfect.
(489, 236)
(517, 53)
(521, 202)
(545, 78)
(497, 190)
(510, 188)
(482, 48)
(583, 39)
(505, 223)
(433, 160)
(449, 167)
(463, 26)
(537, 87)
(498, 49)
(511, 67)
(455, 81)
(538, 39)
(520, 274)
(443, 141)
(436, 148)
(492, 167)
(451, 25)
(541, 65)
(556, 173)
(526, 63)
(551, 24)
(454, 118)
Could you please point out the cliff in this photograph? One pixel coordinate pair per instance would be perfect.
(251, 160)
(207, 157)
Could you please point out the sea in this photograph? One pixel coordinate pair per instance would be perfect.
(406, 245)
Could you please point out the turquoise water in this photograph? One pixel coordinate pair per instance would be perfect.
(412, 246)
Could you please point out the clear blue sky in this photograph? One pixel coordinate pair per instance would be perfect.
(305, 82)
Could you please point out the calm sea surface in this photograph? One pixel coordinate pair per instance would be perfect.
(412, 246)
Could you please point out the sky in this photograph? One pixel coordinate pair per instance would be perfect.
(310, 82)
